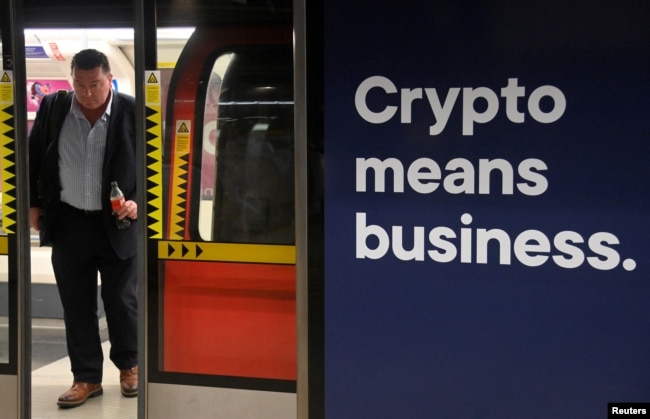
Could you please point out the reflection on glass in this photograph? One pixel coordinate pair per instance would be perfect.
(253, 189)
(210, 133)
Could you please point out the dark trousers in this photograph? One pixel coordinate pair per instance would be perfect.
(80, 251)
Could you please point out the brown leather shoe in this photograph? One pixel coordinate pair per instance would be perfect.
(129, 382)
(79, 393)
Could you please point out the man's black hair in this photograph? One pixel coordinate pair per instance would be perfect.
(88, 59)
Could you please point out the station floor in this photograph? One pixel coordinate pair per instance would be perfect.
(51, 377)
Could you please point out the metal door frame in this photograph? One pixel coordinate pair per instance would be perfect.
(17, 198)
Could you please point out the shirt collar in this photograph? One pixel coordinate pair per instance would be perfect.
(76, 110)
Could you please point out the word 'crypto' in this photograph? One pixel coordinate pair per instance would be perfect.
(442, 110)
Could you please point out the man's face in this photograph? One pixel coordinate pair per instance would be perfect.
(91, 86)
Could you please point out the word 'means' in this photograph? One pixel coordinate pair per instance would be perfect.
(460, 176)
(442, 110)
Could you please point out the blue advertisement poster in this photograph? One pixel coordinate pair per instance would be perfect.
(487, 208)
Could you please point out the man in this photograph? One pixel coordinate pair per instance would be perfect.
(77, 146)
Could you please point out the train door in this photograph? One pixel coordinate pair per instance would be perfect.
(221, 231)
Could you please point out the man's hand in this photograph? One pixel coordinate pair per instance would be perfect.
(129, 209)
(35, 214)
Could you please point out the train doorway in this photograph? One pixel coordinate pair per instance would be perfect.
(48, 53)
(47, 59)
(32, 337)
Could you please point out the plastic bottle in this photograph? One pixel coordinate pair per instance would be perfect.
(117, 200)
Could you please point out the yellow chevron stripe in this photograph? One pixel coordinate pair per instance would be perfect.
(154, 172)
(178, 180)
(7, 152)
(153, 103)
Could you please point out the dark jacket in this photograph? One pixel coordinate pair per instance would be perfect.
(119, 165)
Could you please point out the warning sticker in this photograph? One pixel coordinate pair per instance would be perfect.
(6, 88)
(152, 88)
(183, 128)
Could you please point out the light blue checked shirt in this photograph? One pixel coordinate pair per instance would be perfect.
(81, 156)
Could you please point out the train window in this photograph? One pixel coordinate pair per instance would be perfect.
(253, 200)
